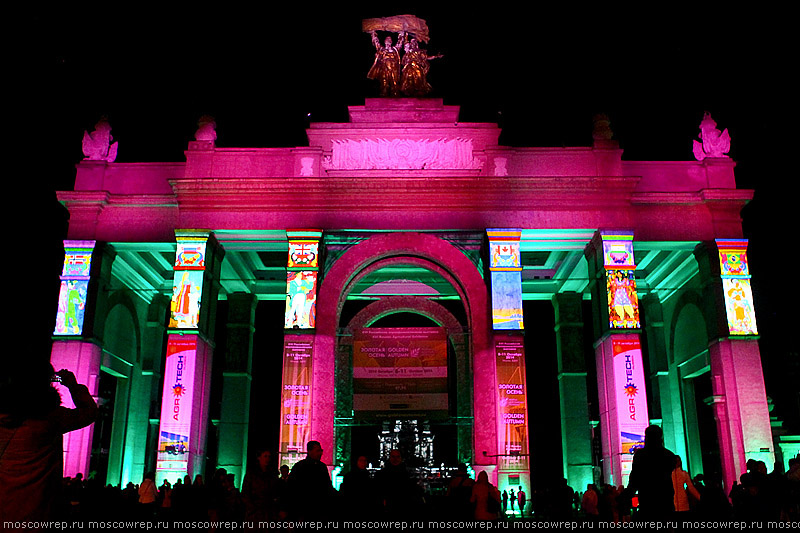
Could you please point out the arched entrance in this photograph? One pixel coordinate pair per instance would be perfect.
(691, 360)
(436, 255)
(357, 434)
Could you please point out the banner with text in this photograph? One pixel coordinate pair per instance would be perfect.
(632, 415)
(177, 399)
(512, 401)
(296, 398)
(400, 370)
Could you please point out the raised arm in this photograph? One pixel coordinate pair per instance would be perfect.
(85, 411)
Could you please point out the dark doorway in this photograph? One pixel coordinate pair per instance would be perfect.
(707, 426)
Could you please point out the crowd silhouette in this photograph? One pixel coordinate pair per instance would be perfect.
(32, 487)
(268, 494)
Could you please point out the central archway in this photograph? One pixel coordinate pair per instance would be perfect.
(460, 391)
(434, 254)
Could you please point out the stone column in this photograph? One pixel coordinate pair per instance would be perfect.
(237, 378)
(620, 373)
(185, 398)
(576, 430)
(664, 390)
(299, 407)
(509, 384)
(78, 336)
(740, 400)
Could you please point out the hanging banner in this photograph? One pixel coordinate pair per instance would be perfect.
(75, 277)
(177, 401)
(623, 301)
(512, 401)
(187, 284)
(295, 398)
(736, 289)
(302, 272)
(301, 299)
(632, 415)
(400, 370)
(505, 266)
(620, 267)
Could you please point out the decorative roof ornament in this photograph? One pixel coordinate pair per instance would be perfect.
(602, 128)
(97, 145)
(714, 143)
(206, 129)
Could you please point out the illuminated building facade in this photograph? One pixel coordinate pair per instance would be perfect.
(406, 212)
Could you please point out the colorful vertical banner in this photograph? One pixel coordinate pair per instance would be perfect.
(296, 398)
(618, 261)
(302, 269)
(400, 370)
(72, 296)
(301, 299)
(512, 404)
(631, 401)
(187, 286)
(177, 402)
(735, 274)
(505, 267)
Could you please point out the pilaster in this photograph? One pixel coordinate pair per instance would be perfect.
(237, 379)
(301, 411)
(618, 352)
(576, 431)
(78, 335)
(185, 398)
(740, 402)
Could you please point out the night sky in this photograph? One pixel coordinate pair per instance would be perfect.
(540, 73)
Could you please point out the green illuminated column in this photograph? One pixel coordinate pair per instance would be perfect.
(78, 335)
(576, 435)
(237, 378)
(665, 390)
(183, 426)
(737, 378)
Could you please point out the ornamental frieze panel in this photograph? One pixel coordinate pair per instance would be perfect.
(402, 154)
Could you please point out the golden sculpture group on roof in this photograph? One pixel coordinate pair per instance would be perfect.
(397, 73)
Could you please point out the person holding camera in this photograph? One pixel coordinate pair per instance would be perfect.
(32, 424)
